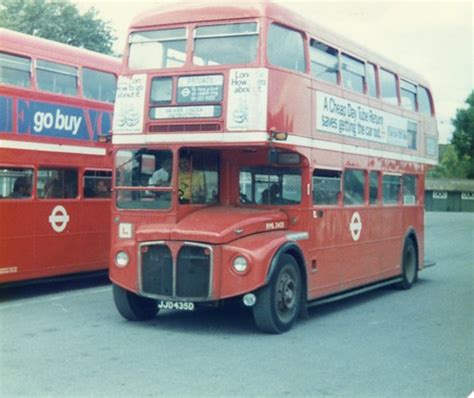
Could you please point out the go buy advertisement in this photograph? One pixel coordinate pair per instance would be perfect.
(53, 120)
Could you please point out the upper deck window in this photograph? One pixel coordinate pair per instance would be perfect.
(408, 95)
(161, 90)
(15, 70)
(56, 78)
(324, 62)
(388, 87)
(286, 48)
(157, 49)
(371, 80)
(424, 103)
(225, 44)
(353, 73)
(99, 85)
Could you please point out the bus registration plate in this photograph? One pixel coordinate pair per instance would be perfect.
(176, 305)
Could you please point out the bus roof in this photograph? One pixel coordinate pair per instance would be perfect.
(180, 13)
(23, 44)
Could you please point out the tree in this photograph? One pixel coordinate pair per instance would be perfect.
(449, 165)
(58, 20)
(463, 136)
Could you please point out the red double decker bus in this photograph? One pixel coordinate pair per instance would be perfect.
(258, 155)
(55, 176)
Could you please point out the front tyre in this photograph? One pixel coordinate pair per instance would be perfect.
(134, 307)
(278, 303)
(409, 265)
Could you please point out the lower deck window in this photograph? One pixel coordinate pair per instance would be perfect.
(15, 183)
(97, 184)
(143, 178)
(270, 185)
(57, 183)
(198, 178)
(374, 187)
(391, 186)
(326, 187)
(354, 185)
(409, 190)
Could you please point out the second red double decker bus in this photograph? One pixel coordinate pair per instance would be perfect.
(258, 155)
(55, 175)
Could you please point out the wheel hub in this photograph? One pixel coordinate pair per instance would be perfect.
(287, 292)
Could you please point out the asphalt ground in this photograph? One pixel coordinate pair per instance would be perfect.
(66, 339)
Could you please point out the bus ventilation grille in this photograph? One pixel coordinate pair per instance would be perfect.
(183, 128)
(157, 270)
(192, 273)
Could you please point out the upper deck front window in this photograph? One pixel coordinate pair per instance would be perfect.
(15, 70)
(157, 49)
(225, 44)
(286, 48)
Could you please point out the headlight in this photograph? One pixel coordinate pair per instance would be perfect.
(240, 264)
(121, 259)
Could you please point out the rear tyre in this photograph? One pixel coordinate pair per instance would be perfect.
(134, 307)
(409, 265)
(278, 303)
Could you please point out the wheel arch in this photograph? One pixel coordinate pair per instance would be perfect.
(411, 234)
(295, 251)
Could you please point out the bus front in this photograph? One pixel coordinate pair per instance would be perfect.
(205, 199)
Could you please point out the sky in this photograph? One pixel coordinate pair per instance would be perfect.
(433, 38)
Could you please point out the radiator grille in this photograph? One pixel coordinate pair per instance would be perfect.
(157, 270)
(187, 277)
(193, 272)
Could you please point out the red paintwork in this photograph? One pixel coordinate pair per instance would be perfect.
(333, 261)
(27, 240)
(225, 221)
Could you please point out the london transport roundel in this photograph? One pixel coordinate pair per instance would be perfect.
(59, 218)
(355, 226)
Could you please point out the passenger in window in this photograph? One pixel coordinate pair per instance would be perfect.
(191, 183)
(21, 189)
(102, 189)
(70, 190)
(271, 196)
(53, 189)
(162, 176)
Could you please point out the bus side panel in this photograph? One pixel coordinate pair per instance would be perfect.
(324, 254)
(289, 97)
(17, 241)
(95, 227)
(59, 251)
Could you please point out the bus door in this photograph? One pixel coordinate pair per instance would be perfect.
(16, 222)
(326, 272)
(95, 218)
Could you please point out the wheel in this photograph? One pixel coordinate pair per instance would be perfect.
(409, 265)
(132, 306)
(278, 303)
